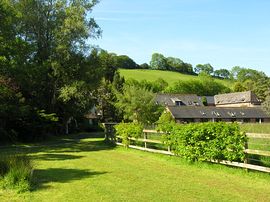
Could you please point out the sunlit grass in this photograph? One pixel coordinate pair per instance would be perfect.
(168, 76)
(85, 169)
(256, 127)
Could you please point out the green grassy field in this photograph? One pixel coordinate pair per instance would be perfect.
(168, 76)
(258, 143)
(85, 169)
(256, 127)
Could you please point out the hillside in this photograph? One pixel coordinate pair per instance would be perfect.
(168, 76)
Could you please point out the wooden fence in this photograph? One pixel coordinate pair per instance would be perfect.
(247, 164)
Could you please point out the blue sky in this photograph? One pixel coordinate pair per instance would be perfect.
(224, 33)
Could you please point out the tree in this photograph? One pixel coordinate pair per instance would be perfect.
(158, 61)
(166, 122)
(234, 71)
(246, 74)
(222, 73)
(144, 66)
(238, 87)
(242, 74)
(204, 101)
(266, 103)
(107, 62)
(106, 97)
(207, 68)
(261, 88)
(125, 62)
(176, 64)
(156, 86)
(45, 51)
(138, 105)
(206, 85)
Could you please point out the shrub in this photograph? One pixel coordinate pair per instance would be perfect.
(207, 141)
(165, 122)
(16, 172)
(204, 86)
(127, 130)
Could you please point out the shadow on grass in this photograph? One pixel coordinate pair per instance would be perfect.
(42, 177)
(73, 143)
(55, 157)
(81, 146)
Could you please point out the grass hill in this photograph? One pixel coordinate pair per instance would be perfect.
(168, 76)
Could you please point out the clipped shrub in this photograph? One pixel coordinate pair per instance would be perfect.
(127, 130)
(207, 141)
(16, 172)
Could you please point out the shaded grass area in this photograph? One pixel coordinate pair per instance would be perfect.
(168, 76)
(85, 169)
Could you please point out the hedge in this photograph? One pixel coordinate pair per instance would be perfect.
(207, 141)
(127, 130)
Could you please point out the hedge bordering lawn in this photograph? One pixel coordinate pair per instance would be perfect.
(207, 141)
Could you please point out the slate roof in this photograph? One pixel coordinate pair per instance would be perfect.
(237, 98)
(217, 112)
(186, 99)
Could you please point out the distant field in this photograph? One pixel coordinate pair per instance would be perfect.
(170, 77)
(256, 128)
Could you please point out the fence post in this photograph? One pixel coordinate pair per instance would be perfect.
(145, 137)
(246, 155)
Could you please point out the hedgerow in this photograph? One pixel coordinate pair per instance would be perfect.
(127, 130)
(207, 141)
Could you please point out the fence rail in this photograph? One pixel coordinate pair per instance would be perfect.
(245, 165)
(257, 152)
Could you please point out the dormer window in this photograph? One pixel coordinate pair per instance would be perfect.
(242, 113)
(203, 113)
(232, 114)
(177, 102)
(216, 113)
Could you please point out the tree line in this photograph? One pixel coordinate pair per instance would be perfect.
(160, 62)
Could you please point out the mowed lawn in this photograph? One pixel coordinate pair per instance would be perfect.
(82, 168)
(168, 76)
(256, 127)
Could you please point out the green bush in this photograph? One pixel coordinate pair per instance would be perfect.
(16, 172)
(165, 122)
(127, 130)
(207, 141)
